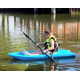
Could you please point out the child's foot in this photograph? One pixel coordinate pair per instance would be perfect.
(23, 52)
(26, 52)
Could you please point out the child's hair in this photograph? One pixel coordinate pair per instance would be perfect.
(48, 32)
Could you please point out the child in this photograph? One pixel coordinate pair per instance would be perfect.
(50, 44)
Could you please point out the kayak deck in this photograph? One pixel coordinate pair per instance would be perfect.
(59, 54)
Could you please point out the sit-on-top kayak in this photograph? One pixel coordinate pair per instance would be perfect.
(59, 54)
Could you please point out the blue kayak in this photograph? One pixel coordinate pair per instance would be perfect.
(60, 54)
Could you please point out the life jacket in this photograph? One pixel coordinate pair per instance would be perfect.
(47, 45)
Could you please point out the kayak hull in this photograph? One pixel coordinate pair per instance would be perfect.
(59, 54)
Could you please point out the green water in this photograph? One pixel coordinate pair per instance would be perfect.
(65, 27)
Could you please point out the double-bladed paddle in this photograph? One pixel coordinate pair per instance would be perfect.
(38, 46)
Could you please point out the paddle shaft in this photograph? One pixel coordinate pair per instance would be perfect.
(38, 46)
(33, 41)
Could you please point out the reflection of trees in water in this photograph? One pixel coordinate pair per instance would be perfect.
(38, 67)
(35, 28)
(67, 30)
(50, 66)
(61, 30)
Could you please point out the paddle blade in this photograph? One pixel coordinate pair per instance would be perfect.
(26, 35)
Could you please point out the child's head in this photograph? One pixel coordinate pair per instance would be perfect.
(48, 33)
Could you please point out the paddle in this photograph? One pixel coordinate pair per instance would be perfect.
(38, 46)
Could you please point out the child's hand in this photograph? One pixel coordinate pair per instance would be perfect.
(37, 44)
(44, 51)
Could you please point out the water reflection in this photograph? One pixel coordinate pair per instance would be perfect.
(51, 66)
(53, 18)
(66, 30)
(11, 23)
(41, 65)
(62, 30)
(17, 22)
(47, 65)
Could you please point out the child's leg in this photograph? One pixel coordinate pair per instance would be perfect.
(34, 53)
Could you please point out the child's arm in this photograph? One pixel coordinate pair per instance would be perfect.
(42, 43)
(52, 46)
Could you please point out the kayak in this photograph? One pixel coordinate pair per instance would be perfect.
(60, 54)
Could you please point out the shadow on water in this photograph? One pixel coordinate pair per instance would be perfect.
(44, 65)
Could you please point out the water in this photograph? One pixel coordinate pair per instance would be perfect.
(65, 27)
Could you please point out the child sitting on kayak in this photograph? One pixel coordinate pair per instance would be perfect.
(51, 45)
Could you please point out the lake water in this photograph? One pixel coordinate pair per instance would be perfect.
(65, 27)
